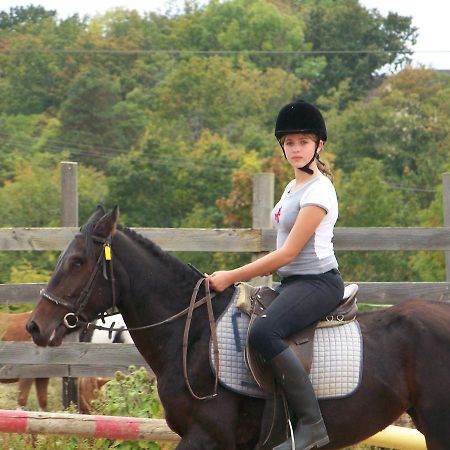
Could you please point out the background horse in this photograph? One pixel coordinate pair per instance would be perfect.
(12, 328)
(406, 361)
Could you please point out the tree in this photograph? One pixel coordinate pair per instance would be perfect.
(366, 200)
(339, 27)
(33, 59)
(32, 199)
(87, 119)
(20, 19)
(224, 97)
(404, 125)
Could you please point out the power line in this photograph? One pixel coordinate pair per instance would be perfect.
(411, 188)
(215, 52)
(109, 153)
(162, 160)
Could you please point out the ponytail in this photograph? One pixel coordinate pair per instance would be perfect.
(323, 168)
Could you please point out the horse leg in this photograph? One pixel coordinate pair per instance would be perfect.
(198, 439)
(42, 392)
(24, 391)
(434, 425)
(209, 425)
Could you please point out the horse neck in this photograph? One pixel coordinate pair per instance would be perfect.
(153, 287)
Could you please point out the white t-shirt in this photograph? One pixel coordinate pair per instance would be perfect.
(317, 256)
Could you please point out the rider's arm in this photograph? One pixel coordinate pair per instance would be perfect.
(308, 219)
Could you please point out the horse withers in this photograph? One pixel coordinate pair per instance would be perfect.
(406, 356)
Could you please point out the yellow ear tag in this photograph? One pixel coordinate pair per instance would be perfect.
(107, 253)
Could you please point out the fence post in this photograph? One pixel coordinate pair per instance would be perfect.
(69, 218)
(446, 200)
(263, 194)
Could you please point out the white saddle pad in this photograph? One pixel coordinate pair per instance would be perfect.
(337, 360)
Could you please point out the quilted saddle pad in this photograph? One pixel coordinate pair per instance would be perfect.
(336, 367)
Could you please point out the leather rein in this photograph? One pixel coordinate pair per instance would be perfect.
(72, 319)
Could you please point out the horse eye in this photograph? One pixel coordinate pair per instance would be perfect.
(77, 262)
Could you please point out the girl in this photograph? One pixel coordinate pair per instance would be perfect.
(311, 285)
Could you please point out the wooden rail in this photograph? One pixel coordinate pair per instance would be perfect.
(71, 359)
(238, 240)
(381, 293)
(20, 359)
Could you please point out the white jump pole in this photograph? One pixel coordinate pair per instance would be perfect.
(132, 428)
(110, 427)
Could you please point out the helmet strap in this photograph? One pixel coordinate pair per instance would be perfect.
(305, 168)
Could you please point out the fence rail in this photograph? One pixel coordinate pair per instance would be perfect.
(25, 359)
(239, 240)
(71, 359)
(381, 293)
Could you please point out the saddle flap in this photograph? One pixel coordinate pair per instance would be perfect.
(302, 344)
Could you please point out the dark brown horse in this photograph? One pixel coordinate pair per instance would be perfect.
(406, 348)
(12, 328)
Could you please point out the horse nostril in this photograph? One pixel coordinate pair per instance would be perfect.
(32, 327)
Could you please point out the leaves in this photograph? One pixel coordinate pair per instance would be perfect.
(170, 115)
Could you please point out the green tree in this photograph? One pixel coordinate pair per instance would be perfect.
(344, 26)
(404, 125)
(224, 97)
(87, 119)
(367, 200)
(430, 266)
(33, 67)
(32, 199)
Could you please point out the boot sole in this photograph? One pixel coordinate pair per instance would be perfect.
(320, 443)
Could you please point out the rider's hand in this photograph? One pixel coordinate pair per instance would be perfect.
(220, 280)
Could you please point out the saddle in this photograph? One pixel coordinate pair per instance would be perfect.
(301, 342)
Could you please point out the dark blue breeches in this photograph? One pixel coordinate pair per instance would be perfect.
(303, 300)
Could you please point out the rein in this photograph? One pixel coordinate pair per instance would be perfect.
(72, 319)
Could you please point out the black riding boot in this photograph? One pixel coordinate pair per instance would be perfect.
(310, 431)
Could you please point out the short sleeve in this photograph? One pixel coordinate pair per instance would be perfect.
(319, 194)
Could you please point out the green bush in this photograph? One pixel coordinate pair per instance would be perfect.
(133, 395)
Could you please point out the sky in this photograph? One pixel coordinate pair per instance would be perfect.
(430, 17)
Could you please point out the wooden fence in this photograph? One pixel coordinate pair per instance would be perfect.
(74, 359)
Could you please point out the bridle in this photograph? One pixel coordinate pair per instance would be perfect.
(72, 319)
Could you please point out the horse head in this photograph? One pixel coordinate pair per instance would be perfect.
(79, 287)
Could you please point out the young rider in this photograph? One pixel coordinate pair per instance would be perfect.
(311, 285)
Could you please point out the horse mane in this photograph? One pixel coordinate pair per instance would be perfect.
(87, 229)
(151, 247)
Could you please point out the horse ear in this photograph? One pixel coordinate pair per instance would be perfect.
(97, 214)
(106, 226)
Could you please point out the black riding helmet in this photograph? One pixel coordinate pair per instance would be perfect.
(301, 117)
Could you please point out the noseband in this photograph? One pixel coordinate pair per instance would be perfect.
(71, 319)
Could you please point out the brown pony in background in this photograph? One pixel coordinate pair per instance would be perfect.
(12, 328)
